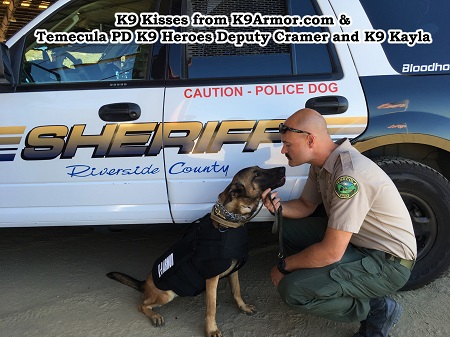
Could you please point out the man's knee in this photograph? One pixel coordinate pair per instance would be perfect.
(326, 302)
(291, 294)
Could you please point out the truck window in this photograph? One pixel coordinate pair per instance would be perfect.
(410, 16)
(52, 62)
(275, 59)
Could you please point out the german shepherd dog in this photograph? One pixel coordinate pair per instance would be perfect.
(213, 247)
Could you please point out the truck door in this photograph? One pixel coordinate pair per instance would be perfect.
(79, 134)
(225, 114)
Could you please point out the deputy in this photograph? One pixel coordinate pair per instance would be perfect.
(342, 266)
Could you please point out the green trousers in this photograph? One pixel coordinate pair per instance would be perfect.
(340, 291)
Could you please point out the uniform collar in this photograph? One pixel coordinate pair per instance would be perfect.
(343, 145)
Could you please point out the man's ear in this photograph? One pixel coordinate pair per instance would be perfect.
(310, 139)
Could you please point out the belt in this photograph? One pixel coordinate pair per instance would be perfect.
(405, 263)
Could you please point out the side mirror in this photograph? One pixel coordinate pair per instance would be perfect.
(6, 73)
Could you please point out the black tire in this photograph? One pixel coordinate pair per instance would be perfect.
(426, 194)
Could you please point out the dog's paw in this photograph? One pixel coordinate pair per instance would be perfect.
(157, 320)
(215, 333)
(248, 309)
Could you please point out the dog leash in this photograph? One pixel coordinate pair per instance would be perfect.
(278, 226)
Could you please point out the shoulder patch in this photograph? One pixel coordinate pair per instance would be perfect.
(346, 187)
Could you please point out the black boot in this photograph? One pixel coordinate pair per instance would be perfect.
(383, 315)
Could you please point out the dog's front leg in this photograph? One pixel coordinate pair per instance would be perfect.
(211, 301)
(233, 279)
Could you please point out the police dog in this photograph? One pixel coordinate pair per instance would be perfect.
(213, 247)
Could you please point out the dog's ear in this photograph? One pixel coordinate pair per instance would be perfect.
(232, 191)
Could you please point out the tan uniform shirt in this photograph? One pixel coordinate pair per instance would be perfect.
(359, 197)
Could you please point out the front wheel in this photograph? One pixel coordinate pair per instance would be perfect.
(426, 194)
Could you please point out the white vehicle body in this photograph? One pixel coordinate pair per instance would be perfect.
(87, 187)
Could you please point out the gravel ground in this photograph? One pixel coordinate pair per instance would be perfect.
(53, 283)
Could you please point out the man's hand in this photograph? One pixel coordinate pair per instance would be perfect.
(276, 276)
(271, 202)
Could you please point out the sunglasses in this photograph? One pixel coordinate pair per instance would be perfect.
(283, 128)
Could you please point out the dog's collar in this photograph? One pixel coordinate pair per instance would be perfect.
(227, 219)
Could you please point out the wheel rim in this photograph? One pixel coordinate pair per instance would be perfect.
(424, 222)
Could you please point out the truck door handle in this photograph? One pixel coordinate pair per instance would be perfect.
(120, 112)
(328, 105)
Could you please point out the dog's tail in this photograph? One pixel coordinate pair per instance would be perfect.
(127, 280)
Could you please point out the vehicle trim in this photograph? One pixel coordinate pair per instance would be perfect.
(414, 138)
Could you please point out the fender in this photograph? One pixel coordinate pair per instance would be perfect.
(399, 113)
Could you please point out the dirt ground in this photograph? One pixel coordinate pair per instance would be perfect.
(53, 283)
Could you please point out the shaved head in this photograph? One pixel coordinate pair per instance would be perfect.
(312, 147)
(309, 120)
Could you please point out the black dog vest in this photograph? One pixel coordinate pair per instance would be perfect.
(202, 253)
